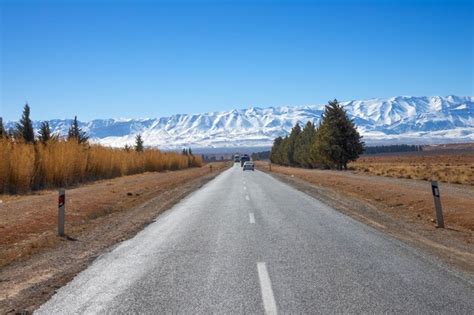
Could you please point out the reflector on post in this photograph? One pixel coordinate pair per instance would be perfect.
(437, 201)
(61, 211)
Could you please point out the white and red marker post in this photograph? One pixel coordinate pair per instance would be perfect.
(61, 211)
(437, 202)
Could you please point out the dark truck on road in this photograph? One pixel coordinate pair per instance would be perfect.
(244, 158)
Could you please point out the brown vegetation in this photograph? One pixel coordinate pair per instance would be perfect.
(25, 167)
(403, 198)
(28, 223)
(399, 207)
(448, 168)
(98, 215)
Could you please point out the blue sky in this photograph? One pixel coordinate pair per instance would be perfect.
(109, 59)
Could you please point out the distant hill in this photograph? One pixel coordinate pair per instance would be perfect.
(403, 119)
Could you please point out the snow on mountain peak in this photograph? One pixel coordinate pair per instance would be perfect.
(404, 119)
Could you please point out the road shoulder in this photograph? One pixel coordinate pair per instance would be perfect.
(27, 283)
(454, 246)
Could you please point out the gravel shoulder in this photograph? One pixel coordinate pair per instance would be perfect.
(402, 208)
(36, 262)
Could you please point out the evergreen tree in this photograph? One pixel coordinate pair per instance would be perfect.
(259, 156)
(45, 132)
(3, 132)
(392, 148)
(11, 134)
(127, 148)
(302, 153)
(24, 129)
(187, 151)
(293, 140)
(337, 140)
(320, 150)
(75, 133)
(139, 143)
(275, 152)
(284, 151)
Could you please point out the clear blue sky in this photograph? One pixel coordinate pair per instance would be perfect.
(108, 59)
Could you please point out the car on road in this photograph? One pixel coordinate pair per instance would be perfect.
(244, 158)
(249, 166)
(236, 158)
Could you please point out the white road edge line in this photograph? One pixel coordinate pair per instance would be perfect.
(266, 288)
(252, 218)
(247, 197)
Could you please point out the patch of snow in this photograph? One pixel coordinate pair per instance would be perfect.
(402, 119)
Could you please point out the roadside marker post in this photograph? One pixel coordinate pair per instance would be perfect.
(210, 167)
(270, 167)
(61, 211)
(437, 202)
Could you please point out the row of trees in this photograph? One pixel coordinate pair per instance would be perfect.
(393, 148)
(25, 133)
(139, 145)
(257, 156)
(31, 162)
(333, 144)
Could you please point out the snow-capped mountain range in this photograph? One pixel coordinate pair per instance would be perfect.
(402, 119)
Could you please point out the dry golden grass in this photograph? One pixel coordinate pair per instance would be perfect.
(405, 199)
(25, 167)
(448, 168)
(37, 214)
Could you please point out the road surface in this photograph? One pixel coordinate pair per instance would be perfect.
(247, 243)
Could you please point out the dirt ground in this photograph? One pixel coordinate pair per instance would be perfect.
(455, 167)
(35, 262)
(403, 208)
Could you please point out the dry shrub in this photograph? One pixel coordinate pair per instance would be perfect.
(447, 168)
(17, 165)
(4, 166)
(25, 167)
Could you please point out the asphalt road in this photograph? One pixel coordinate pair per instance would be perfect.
(247, 243)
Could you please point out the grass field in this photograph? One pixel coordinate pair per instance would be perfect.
(25, 167)
(410, 199)
(28, 222)
(445, 167)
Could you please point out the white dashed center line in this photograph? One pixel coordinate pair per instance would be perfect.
(252, 218)
(266, 287)
(245, 188)
(247, 197)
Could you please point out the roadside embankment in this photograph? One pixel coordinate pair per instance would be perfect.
(34, 261)
(401, 207)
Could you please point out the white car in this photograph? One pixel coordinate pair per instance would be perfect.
(249, 166)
